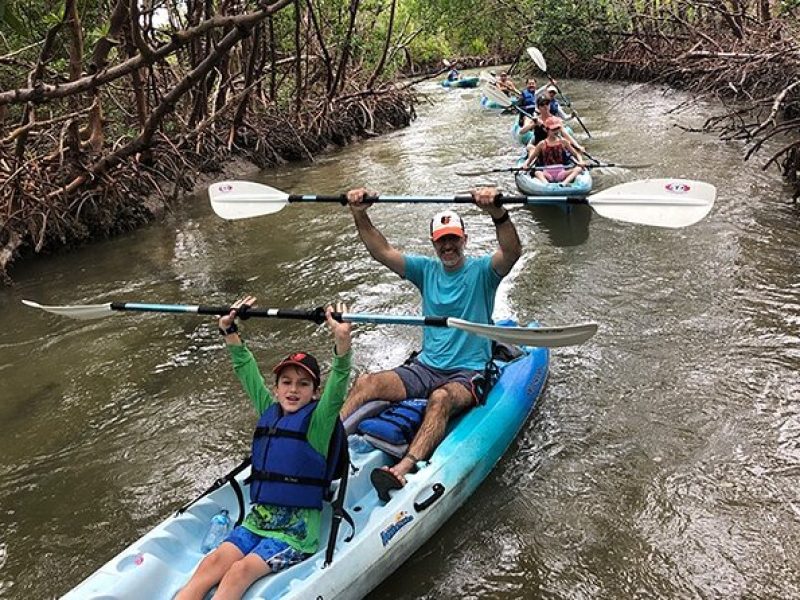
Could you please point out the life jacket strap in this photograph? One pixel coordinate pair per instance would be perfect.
(278, 432)
(281, 478)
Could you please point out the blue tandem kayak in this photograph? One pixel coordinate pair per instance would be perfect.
(531, 186)
(157, 565)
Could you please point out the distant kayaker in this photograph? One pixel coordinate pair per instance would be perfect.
(554, 156)
(453, 75)
(555, 107)
(451, 285)
(536, 125)
(505, 84)
(293, 436)
(529, 95)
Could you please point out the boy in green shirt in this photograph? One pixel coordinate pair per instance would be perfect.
(283, 526)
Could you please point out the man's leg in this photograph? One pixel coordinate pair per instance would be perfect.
(385, 385)
(443, 403)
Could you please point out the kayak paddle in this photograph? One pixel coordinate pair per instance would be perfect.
(502, 99)
(657, 202)
(550, 337)
(598, 165)
(538, 58)
(487, 76)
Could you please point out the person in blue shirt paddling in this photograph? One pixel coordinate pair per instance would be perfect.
(451, 285)
(290, 462)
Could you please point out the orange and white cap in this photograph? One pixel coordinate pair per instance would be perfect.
(447, 222)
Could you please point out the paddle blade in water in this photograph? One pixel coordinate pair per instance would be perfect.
(245, 199)
(657, 202)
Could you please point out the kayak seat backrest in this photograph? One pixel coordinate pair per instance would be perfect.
(339, 457)
(505, 352)
(389, 427)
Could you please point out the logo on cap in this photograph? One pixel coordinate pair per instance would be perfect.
(446, 223)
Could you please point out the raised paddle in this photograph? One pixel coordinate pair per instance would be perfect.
(502, 99)
(487, 76)
(550, 337)
(598, 165)
(657, 202)
(538, 58)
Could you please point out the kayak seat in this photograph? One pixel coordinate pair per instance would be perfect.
(388, 426)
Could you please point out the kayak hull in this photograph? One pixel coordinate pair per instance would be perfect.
(464, 82)
(530, 186)
(159, 564)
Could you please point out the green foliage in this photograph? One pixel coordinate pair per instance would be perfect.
(9, 19)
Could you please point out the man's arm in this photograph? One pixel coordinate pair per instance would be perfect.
(510, 246)
(377, 245)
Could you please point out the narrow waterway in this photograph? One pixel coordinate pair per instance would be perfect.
(662, 460)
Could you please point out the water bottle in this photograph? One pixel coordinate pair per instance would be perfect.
(217, 531)
(358, 445)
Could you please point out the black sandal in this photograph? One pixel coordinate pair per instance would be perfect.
(384, 481)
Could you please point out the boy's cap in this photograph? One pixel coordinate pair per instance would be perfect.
(446, 222)
(552, 88)
(303, 361)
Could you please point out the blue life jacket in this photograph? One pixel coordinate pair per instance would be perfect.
(527, 100)
(555, 108)
(287, 470)
(398, 424)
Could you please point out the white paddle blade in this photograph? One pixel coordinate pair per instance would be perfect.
(84, 312)
(656, 202)
(550, 337)
(446, 63)
(486, 76)
(245, 199)
(496, 95)
(538, 58)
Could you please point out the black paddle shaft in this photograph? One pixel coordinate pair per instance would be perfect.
(499, 200)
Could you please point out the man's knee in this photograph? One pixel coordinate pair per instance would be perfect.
(449, 400)
(367, 385)
(383, 384)
(440, 403)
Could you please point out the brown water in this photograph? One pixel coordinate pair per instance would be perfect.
(662, 461)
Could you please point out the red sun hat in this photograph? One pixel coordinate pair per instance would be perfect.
(552, 122)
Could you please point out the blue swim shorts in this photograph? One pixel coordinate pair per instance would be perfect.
(277, 554)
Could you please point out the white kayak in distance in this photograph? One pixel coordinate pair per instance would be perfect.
(386, 534)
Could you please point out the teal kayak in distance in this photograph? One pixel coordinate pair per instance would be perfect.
(531, 186)
(157, 565)
(463, 82)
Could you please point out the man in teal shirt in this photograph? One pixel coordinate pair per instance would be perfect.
(451, 285)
